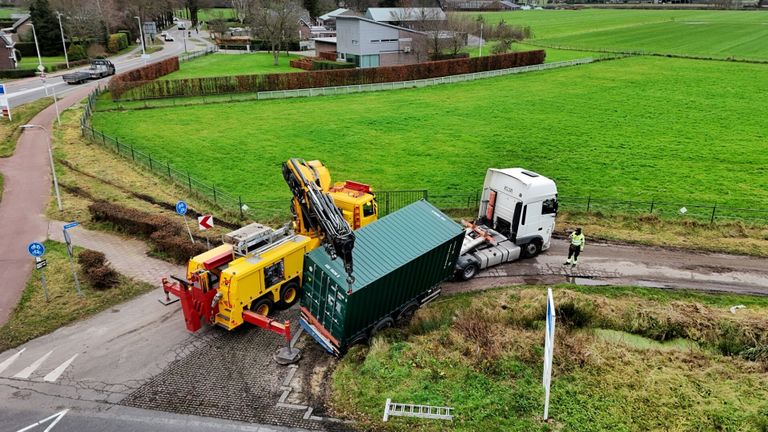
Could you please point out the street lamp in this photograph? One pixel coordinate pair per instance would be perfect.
(66, 57)
(141, 34)
(41, 69)
(50, 156)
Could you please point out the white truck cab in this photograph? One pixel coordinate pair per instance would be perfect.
(516, 218)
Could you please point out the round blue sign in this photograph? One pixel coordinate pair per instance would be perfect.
(36, 249)
(181, 208)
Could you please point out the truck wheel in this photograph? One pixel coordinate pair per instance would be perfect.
(532, 249)
(405, 315)
(468, 272)
(262, 307)
(381, 326)
(289, 294)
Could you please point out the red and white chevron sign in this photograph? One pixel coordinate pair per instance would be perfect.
(205, 222)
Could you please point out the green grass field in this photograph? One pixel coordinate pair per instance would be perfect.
(686, 131)
(6, 12)
(739, 34)
(233, 64)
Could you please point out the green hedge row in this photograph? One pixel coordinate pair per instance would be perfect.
(148, 89)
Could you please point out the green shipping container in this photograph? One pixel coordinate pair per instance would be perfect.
(399, 263)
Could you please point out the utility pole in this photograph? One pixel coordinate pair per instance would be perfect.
(141, 35)
(63, 42)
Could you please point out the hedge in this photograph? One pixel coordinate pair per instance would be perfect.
(117, 42)
(166, 236)
(136, 77)
(147, 89)
(98, 272)
(17, 73)
(328, 65)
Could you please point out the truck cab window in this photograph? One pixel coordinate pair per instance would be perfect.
(549, 206)
(368, 209)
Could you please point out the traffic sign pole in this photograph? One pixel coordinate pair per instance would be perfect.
(71, 254)
(181, 208)
(42, 277)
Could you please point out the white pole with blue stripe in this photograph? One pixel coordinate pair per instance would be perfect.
(549, 348)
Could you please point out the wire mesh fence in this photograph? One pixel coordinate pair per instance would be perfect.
(463, 203)
(187, 56)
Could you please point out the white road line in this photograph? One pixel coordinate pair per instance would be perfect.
(32, 90)
(24, 374)
(56, 373)
(58, 416)
(4, 365)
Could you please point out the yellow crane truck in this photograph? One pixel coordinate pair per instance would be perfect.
(259, 268)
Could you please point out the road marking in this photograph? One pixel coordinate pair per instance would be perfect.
(4, 365)
(58, 416)
(24, 374)
(32, 90)
(56, 373)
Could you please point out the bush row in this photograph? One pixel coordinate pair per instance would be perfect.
(136, 77)
(17, 73)
(330, 65)
(99, 274)
(148, 89)
(166, 236)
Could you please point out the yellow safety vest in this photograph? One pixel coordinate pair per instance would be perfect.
(577, 239)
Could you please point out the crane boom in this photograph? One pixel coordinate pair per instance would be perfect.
(321, 214)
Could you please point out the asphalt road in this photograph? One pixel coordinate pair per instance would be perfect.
(30, 89)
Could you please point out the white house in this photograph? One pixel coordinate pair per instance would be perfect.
(368, 43)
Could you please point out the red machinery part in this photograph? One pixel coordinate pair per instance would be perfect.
(281, 328)
(195, 303)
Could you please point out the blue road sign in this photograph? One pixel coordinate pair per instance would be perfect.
(2, 89)
(181, 208)
(36, 249)
(71, 225)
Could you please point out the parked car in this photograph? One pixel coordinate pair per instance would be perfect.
(168, 38)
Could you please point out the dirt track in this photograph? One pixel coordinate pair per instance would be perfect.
(604, 264)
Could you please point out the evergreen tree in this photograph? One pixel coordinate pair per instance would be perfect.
(46, 27)
(313, 7)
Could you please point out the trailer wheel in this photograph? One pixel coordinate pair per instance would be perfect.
(262, 307)
(381, 326)
(405, 315)
(532, 248)
(468, 272)
(289, 294)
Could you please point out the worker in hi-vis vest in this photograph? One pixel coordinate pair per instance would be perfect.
(576, 247)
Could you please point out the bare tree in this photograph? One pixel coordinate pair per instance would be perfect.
(241, 8)
(457, 27)
(82, 19)
(430, 22)
(276, 22)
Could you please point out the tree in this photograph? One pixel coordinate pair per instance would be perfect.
(276, 22)
(46, 27)
(193, 7)
(241, 8)
(82, 20)
(313, 7)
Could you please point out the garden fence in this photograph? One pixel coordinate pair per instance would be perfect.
(187, 56)
(459, 203)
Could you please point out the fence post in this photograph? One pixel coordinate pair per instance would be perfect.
(426, 195)
(652, 206)
(168, 164)
(589, 202)
(133, 155)
(214, 194)
(103, 139)
(189, 181)
(117, 145)
(386, 202)
(150, 162)
(240, 205)
(712, 219)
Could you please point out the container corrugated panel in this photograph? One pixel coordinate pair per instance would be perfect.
(396, 261)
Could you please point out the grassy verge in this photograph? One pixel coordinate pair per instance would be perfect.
(87, 172)
(625, 359)
(22, 114)
(735, 237)
(34, 317)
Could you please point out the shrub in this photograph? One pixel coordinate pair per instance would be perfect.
(16, 73)
(326, 65)
(176, 245)
(117, 42)
(77, 52)
(96, 51)
(99, 274)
